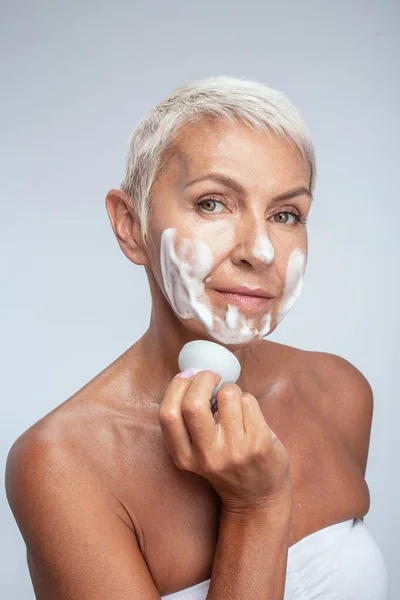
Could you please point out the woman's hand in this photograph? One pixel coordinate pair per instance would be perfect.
(241, 457)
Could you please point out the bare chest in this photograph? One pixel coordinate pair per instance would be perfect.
(179, 511)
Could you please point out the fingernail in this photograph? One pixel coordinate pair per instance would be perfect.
(186, 374)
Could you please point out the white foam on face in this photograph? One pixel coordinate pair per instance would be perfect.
(265, 325)
(186, 265)
(232, 316)
(294, 282)
(264, 249)
(183, 272)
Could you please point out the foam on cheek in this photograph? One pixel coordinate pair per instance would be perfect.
(184, 271)
(232, 316)
(294, 282)
(265, 326)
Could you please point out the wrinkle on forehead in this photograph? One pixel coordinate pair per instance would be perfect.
(266, 164)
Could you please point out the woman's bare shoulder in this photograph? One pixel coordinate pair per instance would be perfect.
(340, 380)
(327, 370)
(86, 437)
(89, 425)
(107, 392)
(64, 508)
(336, 390)
(345, 399)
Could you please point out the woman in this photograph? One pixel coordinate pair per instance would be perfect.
(132, 488)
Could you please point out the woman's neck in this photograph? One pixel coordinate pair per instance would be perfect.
(156, 355)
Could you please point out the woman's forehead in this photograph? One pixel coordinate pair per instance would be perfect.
(238, 151)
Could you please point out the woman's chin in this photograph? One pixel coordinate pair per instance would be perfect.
(232, 338)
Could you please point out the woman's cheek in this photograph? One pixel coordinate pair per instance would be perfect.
(185, 263)
(293, 284)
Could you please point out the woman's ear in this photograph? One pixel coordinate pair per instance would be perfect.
(126, 226)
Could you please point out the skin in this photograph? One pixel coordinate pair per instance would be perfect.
(266, 171)
(319, 405)
(234, 226)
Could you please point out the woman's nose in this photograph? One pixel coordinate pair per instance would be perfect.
(255, 249)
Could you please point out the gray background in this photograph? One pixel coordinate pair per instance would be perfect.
(76, 77)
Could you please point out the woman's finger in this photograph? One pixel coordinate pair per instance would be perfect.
(175, 433)
(230, 412)
(196, 410)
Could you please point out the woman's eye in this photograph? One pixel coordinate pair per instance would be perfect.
(283, 217)
(211, 203)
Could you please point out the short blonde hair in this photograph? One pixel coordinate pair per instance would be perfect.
(224, 97)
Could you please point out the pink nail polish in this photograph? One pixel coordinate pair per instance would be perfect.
(187, 373)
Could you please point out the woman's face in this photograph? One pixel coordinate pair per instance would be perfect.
(228, 211)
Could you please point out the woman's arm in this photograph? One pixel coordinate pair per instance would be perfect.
(248, 467)
(251, 555)
(78, 545)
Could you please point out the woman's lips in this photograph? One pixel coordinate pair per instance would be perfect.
(245, 302)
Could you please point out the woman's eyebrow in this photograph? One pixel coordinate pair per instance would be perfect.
(292, 193)
(237, 187)
(220, 178)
